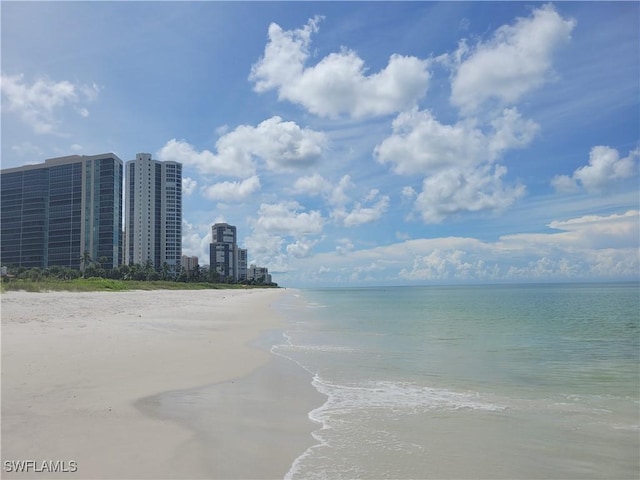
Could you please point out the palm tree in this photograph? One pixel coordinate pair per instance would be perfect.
(165, 270)
(85, 260)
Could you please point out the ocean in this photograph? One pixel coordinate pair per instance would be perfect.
(501, 381)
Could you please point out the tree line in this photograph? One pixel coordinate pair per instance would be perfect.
(90, 268)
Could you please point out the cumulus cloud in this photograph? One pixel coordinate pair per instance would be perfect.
(301, 248)
(421, 144)
(233, 191)
(266, 249)
(596, 247)
(281, 145)
(231, 162)
(344, 246)
(285, 218)
(196, 240)
(39, 104)
(595, 231)
(458, 161)
(189, 186)
(457, 190)
(515, 61)
(343, 209)
(311, 185)
(604, 171)
(338, 83)
(361, 214)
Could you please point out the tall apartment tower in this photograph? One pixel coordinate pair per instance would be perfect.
(57, 212)
(229, 261)
(153, 212)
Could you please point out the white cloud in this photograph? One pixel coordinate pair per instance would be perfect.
(458, 161)
(591, 247)
(446, 264)
(344, 246)
(312, 185)
(265, 249)
(281, 145)
(456, 190)
(421, 144)
(604, 171)
(360, 214)
(233, 191)
(301, 248)
(189, 186)
(338, 196)
(510, 131)
(40, 104)
(594, 231)
(285, 218)
(337, 84)
(516, 60)
(231, 162)
(196, 240)
(339, 200)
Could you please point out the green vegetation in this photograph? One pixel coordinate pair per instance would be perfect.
(93, 277)
(95, 284)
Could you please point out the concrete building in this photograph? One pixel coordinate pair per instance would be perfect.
(189, 263)
(259, 274)
(229, 261)
(153, 212)
(58, 212)
(242, 264)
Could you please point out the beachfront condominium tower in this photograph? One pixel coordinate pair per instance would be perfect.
(62, 212)
(153, 213)
(226, 259)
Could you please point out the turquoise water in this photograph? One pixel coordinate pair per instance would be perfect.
(518, 381)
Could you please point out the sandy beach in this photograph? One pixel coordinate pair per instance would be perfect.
(139, 384)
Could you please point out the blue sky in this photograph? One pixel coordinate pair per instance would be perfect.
(355, 143)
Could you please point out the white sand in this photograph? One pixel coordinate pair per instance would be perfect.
(77, 369)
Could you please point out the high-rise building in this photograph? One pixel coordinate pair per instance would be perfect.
(153, 213)
(229, 261)
(189, 263)
(61, 211)
(242, 264)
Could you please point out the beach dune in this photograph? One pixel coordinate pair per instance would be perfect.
(148, 384)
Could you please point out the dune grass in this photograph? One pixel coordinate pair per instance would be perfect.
(109, 285)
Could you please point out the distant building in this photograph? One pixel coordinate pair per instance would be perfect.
(60, 211)
(242, 264)
(189, 263)
(153, 213)
(259, 274)
(226, 259)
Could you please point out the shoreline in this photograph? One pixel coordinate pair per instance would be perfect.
(81, 372)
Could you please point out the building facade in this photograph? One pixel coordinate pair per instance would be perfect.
(259, 274)
(62, 211)
(226, 259)
(153, 213)
(189, 263)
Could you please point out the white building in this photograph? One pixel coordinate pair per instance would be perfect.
(153, 212)
(189, 263)
(259, 274)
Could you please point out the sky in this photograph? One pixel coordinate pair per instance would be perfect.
(355, 143)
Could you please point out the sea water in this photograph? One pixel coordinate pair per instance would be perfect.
(508, 381)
